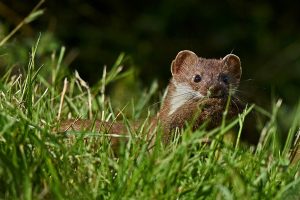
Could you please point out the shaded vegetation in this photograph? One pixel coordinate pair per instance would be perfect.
(36, 163)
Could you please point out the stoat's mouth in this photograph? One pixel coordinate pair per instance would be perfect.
(217, 94)
(224, 96)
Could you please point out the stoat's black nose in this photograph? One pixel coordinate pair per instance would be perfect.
(216, 91)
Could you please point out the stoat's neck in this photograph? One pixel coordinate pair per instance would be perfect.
(178, 94)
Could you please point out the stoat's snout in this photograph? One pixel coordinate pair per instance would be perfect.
(216, 91)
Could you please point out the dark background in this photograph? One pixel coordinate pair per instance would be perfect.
(264, 34)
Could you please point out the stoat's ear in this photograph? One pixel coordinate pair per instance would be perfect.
(233, 65)
(184, 58)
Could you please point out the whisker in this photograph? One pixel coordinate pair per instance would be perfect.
(238, 108)
(237, 91)
(240, 100)
(247, 80)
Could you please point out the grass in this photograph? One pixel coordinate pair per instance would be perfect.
(37, 163)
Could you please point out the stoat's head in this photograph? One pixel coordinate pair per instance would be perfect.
(195, 78)
(214, 78)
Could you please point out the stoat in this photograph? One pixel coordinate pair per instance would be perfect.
(197, 92)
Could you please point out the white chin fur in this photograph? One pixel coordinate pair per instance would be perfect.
(182, 94)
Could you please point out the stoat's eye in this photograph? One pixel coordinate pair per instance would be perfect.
(225, 79)
(197, 78)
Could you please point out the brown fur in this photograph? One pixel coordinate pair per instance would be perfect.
(196, 113)
(197, 110)
(109, 128)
